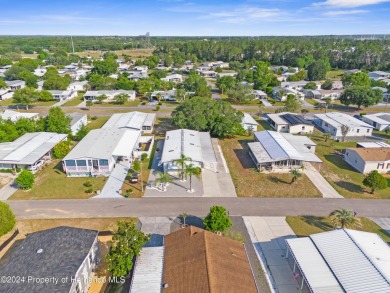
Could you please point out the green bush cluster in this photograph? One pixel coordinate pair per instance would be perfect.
(7, 219)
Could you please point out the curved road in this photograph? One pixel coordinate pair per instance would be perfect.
(90, 208)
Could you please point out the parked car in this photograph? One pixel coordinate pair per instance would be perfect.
(134, 177)
(36, 166)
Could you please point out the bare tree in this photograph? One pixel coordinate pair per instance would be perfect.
(344, 131)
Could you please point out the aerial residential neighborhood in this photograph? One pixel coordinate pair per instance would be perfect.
(239, 146)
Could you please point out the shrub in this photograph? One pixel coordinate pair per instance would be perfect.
(363, 113)
(93, 117)
(143, 103)
(7, 218)
(87, 184)
(217, 220)
(61, 150)
(25, 180)
(144, 156)
(159, 103)
(89, 190)
(6, 170)
(157, 108)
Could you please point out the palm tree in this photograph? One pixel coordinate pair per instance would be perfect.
(163, 179)
(326, 136)
(184, 215)
(182, 162)
(344, 218)
(295, 175)
(191, 170)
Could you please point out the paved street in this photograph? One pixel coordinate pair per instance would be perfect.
(160, 207)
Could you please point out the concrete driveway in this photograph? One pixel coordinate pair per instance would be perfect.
(268, 235)
(115, 181)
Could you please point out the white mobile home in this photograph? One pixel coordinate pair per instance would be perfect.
(63, 95)
(97, 153)
(29, 151)
(133, 121)
(380, 121)
(248, 123)
(273, 151)
(77, 86)
(14, 116)
(15, 84)
(290, 123)
(193, 144)
(366, 160)
(92, 95)
(78, 120)
(333, 122)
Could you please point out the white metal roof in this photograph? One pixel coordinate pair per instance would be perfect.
(248, 119)
(105, 143)
(29, 148)
(14, 116)
(381, 118)
(108, 93)
(346, 253)
(191, 143)
(148, 270)
(277, 119)
(318, 276)
(337, 119)
(359, 261)
(132, 120)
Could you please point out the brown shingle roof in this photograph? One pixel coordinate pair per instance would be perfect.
(196, 260)
(373, 154)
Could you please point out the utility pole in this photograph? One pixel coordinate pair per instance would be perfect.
(142, 181)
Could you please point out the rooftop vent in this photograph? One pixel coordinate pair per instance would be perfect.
(40, 250)
(165, 285)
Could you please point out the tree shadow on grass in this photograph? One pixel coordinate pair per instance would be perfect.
(318, 222)
(339, 162)
(275, 179)
(243, 154)
(352, 187)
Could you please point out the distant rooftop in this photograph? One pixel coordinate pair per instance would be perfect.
(132, 120)
(337, 119)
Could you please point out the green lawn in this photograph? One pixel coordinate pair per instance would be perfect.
(52, 183)
(307, 225)
(275, 102)
(97, 123)
(40, 103)
(335, 74)
(75, 101)
(346, 180)
(7, 102)
(250, 183)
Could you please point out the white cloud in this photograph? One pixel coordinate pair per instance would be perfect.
(349, 3)
(345, 12)
(246, 14)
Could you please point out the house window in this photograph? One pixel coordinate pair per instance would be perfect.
(381, 165)
(326, 124)
(388, 166)
(368, 130)
(303, 127)
(70, 163)
(103, 162)
(357, 130)
(81, 163)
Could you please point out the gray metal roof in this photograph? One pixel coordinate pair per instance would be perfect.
(105, 143)
(148, 270)
(194, 144)
(381, 118)
(337, 119)
(274, 146)
(76, 117)
(64, 249)
(29, 148)
(132, 120)
(108, 93)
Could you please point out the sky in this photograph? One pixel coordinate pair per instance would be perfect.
(195, 17)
